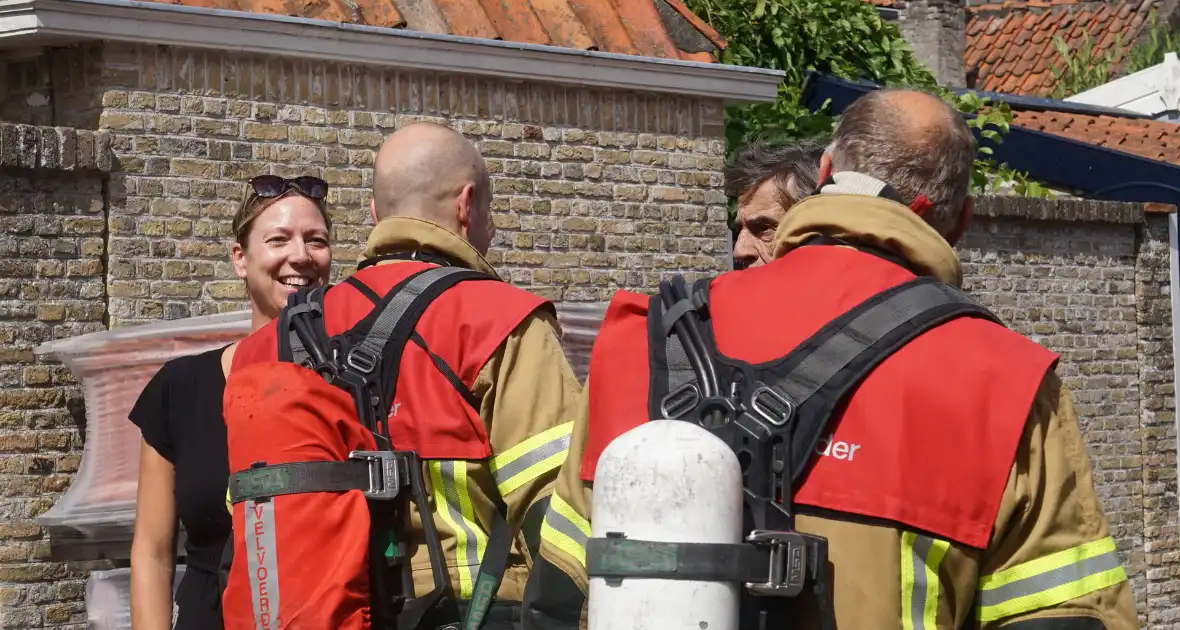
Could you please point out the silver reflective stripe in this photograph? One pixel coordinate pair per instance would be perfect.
(466, 537)
(921, 557)
(263, 563)
(1050, 579)
(556, 446)
(563, 525)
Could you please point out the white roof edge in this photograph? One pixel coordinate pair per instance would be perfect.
(22, 21)
(1145, 91)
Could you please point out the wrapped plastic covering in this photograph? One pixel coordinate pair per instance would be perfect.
(580, 322)
(94, 518)
(112, 367)
(108, 599)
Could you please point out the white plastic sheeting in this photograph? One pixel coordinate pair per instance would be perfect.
(113, 367)
(108, 599)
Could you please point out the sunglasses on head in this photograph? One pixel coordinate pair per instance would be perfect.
(273, 186)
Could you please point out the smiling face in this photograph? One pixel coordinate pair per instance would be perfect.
(285, 247)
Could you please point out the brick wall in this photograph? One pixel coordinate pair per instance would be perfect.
(1161, 510)
(936, 30)
(52, 285)
(593, 189)
(1090, 281)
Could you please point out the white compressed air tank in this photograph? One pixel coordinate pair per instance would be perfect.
(666, 481)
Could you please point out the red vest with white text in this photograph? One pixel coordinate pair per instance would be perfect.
(926, 441)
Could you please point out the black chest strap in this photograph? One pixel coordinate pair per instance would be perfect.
(772, 415)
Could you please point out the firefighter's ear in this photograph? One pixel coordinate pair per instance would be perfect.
(237, 254)
(963, 223)
(825, 167)
(465, 207)
(373, 210)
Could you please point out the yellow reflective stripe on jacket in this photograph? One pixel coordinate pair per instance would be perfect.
(448, 479)
(540, 454)
(1050, 580)
(565, 529)
(920, 587)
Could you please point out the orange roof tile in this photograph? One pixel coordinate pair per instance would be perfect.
(1011, 44)
(1152, 139)
(633, 27)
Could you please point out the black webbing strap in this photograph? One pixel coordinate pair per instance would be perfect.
(621, 558)
(296, 478)
(448, 373)
(363, 288)
(818, 374)
(387, 334)
(402, 309)
(304, 310)
(491, 569)
(671, 358)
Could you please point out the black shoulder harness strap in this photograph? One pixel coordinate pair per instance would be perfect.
(364, 361)
(809, 383)
(772, 415)
(356, 361)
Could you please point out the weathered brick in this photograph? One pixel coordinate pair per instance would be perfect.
(580, 212)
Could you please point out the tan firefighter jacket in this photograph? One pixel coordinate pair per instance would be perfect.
(1051, 549)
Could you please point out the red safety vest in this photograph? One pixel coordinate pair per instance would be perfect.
(464, 326)
(927, 440)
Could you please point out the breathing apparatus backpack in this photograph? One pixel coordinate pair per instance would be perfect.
(320, 496)
(773, 415)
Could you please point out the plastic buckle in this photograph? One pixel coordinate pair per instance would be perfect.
(788, 563)
(772, 405)
(361, 360)
(385, 479)
(680, 401)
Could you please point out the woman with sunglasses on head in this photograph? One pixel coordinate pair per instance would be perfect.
(281, 243)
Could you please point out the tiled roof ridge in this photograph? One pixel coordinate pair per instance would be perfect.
(1012, 44)
(1035, 6)
(650, 28)
(1152, 139)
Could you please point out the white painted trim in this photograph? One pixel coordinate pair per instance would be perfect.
(26, 21)
(1150, 91)
(1174, 280)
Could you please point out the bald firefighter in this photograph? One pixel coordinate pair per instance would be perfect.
(484, 393)
(935, 475)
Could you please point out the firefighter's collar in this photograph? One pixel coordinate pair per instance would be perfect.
(408, 234)
(849, 208)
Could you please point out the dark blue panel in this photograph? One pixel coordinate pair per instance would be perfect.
(1098, 172)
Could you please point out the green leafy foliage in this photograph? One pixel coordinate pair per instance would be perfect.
(845, 38)
(1161, 38)
(1082, 69)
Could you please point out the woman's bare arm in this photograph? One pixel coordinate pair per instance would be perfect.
(153, 549)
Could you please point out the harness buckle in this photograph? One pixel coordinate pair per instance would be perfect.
(788, 563)
(680, 401)
(361, 360)
(772, 405)
(385, 475)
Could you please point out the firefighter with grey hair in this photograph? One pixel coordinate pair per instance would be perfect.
(767, 179)
(906, 460)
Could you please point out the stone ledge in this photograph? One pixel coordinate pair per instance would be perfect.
(1058, 209)
(56, 148)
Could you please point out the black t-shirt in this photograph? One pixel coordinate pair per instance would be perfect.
(179, 415)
